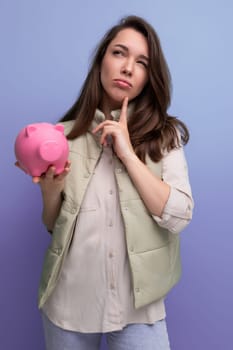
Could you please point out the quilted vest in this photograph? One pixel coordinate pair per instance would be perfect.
(154, 253)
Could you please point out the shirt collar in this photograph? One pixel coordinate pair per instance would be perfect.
(100, 117)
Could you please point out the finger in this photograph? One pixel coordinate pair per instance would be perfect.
(103, 139)
(98, 128)
(35, 179)
(68, 164)
(103, 124)
(62, 175)
(50, 173)
(108, 131)
(123, 115)
(65, 171)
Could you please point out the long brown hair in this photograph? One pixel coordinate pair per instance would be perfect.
(151, 129)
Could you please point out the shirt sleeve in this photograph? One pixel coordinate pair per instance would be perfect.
(179, 207)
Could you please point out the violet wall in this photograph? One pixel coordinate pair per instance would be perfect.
(44, 54)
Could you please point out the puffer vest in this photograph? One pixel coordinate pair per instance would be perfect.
(154, 253)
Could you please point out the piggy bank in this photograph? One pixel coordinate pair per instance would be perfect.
(40, 145)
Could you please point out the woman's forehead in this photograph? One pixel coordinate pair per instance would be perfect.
(131, 39)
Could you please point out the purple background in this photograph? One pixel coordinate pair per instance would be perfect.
(45, 49)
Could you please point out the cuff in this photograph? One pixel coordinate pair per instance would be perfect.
(177, 212)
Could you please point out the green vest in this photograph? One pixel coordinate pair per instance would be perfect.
(153, 252)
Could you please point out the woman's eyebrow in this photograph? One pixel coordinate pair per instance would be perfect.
(125, 48)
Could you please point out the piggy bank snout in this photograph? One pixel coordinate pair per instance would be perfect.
(50, 151)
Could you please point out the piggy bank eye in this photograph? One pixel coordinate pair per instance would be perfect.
(29, 130)
(59, 127)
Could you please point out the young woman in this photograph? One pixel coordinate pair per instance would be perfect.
(116, 211)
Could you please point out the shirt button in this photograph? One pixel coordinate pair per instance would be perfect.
(110, 224)
(111, 192)
(110, 255)
(118, 171)
(58, 251)
(112, 286)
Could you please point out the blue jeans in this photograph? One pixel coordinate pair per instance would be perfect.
(132, 337)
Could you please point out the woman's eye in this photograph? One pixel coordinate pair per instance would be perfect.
(144, 64)
(117, 53)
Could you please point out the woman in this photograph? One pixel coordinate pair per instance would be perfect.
(116, 211)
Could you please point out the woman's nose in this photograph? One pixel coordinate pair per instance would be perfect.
(127, 68)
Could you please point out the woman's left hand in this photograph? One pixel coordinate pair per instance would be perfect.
(153, 191)
(119, 133)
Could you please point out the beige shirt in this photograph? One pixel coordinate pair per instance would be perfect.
(94, 291)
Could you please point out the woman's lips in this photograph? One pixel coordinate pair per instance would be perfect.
(122, 83)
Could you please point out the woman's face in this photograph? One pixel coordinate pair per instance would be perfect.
(124, 68)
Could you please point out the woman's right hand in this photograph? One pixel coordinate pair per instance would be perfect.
(49, 182)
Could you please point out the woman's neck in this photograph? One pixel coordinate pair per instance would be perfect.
(107, 108)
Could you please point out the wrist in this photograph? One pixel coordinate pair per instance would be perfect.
(129, 158)
(53, 196)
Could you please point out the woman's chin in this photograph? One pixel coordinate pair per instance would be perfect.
(111, 103)
(116, 103)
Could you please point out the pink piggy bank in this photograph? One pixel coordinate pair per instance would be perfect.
(40, 145)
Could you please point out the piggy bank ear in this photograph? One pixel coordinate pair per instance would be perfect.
(59, 127)
(30, 129)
